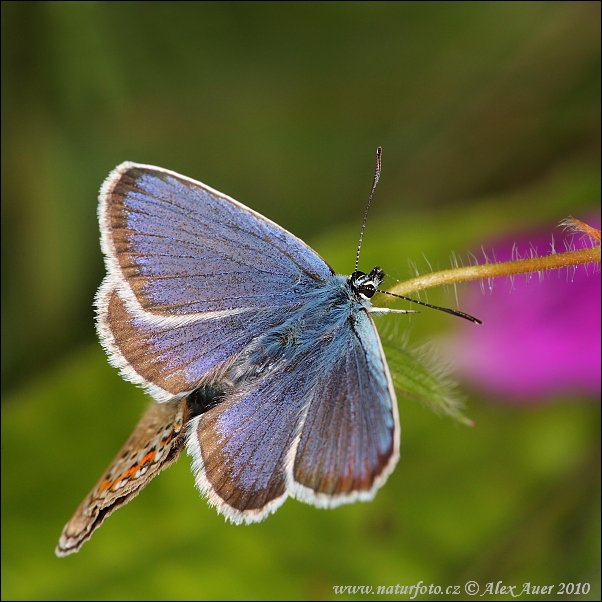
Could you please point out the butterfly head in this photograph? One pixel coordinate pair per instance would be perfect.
(365, 285)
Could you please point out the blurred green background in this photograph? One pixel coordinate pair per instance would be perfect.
(489, 118)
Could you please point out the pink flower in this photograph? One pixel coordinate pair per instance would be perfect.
(541, 336)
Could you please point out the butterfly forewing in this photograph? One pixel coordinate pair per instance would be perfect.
(193, 277)
(350, 438)
(155, 443)
(182, 248)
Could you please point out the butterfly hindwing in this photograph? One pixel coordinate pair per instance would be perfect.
(312, 414)
(170, 357)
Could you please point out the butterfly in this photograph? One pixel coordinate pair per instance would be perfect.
(260, 359)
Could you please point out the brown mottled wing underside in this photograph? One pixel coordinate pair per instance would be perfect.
(155, 443)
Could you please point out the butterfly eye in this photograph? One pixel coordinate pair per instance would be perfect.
(367, 290)
(366, 284)
(361, 284)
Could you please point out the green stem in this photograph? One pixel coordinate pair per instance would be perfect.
(495, 270)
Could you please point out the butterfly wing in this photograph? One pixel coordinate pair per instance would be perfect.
(176, 247)
(349, 443)
(321, 425)
(193, 276)
(239, 448)
(172, 357)
(155, 443)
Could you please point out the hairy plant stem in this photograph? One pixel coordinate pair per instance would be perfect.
(506, 268)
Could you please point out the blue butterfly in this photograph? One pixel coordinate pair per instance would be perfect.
(261, 360)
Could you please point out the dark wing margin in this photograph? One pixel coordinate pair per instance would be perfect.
(349, 443)
(174, 246)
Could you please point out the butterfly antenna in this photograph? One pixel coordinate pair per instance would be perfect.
(379, 152)
(453, 312)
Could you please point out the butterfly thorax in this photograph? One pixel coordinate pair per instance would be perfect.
(315, 324)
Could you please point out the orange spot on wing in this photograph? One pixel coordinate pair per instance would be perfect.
(106, 484)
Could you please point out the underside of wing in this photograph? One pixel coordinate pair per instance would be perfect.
(155, 443)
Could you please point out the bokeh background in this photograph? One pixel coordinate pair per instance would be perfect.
(489, 117)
